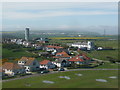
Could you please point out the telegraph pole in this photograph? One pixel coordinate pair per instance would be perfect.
(104, 37)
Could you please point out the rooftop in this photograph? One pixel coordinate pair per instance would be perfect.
(11, 66)
(44, 62)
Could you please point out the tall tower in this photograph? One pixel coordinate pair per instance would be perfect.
(27, 34)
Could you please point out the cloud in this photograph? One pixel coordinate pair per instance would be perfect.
(24, 15)
(28, 10)
(55, 5)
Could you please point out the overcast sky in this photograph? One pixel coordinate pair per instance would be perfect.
(61, 16)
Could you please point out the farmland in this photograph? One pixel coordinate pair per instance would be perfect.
(70, 38)
(75, 81)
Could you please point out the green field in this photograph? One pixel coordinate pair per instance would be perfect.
(88, 80)
(10, 54)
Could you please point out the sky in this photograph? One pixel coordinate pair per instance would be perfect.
(87, 16)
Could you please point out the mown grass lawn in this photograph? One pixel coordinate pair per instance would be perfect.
(108, 65)
(88, 80)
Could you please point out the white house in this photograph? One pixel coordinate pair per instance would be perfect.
(12, 68)
(89, 45)
(26, 44)
(46, 64)
(61, 62)
(19, 41)
(30, 64)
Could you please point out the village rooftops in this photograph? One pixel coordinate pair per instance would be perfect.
(61, 55)
(28, 60)
(44, 62)
(11, 66)
(81, 58)
(56, 47)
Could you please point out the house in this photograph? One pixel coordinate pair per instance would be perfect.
(80, 59)
(61, 63)
(52, 48)
(26, 44)
(30, 64)
(12, 68)
(43, 54)
(62, 55)
(46, 64)
(42, 40)
(19, 42)
(81, 45)
(60, 50)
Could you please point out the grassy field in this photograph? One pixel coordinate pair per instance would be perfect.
(76, 38)
(108, 65)
(9, 53)
(88, 80)
(103, 54)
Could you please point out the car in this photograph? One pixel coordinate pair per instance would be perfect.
(45, 71)
(55, 69)
(61, 69)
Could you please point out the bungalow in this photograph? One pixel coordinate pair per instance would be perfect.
(61, 63)
(12, 68)
(80, 59)
(60, 50)
(30, 64)
(52, 48)
(62, 55)
(46, 64)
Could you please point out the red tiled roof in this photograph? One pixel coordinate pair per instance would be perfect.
(11, 66)
(62, 54)
(78, 58)
(44, 62)
(57, 47)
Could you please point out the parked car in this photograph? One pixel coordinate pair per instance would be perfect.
(42, 72)
(61, 69)
(55, 69)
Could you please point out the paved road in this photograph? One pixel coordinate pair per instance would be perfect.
(52, 73)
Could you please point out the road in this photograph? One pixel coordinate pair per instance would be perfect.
(51, 73)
